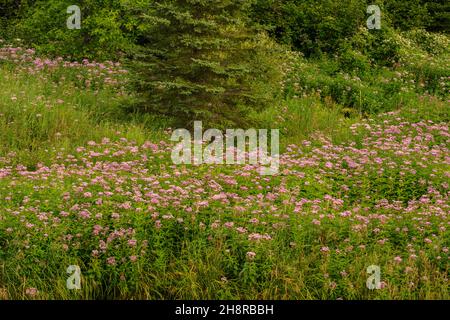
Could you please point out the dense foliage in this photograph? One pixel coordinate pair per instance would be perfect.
(312, 26)
(108, 27)
(316, 27)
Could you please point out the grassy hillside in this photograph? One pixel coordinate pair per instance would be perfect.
(87, 180)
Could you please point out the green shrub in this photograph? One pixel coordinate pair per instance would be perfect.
(407, 14)
(352, 60)
(313, 26)
(380, 47)
(430, 42)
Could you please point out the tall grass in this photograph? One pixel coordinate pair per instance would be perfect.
(40, 117)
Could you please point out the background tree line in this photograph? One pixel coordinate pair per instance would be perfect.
(310, 26)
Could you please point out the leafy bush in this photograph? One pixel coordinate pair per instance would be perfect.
(352, 60)
(311, 26)
(426, 57)
(430, 42)
(379, 47)
(108, 27)
(375, 71)
(408, 14)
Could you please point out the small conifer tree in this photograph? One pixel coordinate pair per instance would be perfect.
(200, 60)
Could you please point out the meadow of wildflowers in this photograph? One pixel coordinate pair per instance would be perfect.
(79, 186)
